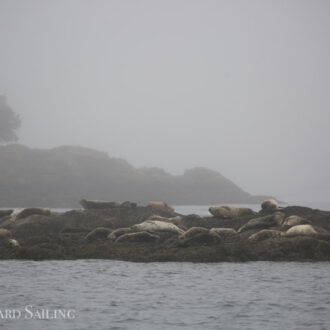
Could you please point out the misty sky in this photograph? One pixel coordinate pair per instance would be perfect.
(241, 87)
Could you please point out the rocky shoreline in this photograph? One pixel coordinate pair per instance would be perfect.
(126, 231)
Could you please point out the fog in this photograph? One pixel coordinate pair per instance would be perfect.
(241, 87)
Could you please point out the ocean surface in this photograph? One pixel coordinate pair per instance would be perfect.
(104, 294)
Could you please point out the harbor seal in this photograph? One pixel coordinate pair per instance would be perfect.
(13, 243)
(304, 230)
(264, 234)
(140, 237)
(269, 204)
(118, 232)
(24, 213)
(161, 205)
(5, 213)
(97, 204)
(176, 220)
(294, 220)
(224, 232)
(272, 220)
(192, 232)
(98, 233)
(229, 212)
(157, 226)
(4, 233)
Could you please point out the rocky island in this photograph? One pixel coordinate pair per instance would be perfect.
(127, 231)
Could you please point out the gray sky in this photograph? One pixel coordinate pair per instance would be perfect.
(241, 87)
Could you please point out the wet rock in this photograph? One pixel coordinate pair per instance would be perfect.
(128, 205)
(140, 237)
(202, 238)
(97, 204)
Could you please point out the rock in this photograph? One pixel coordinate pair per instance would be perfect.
(224, 232)
(161, 205)
(301, 230)
(269, 204)
(4, 233)
(265, 234)
(118, 232)
(24, 213)
(201, 238)
(140, 237)
(229, 212)
(5, 213)
(267, 221)
(97, 204)
(98, 233)
(294, 220)
(157, 226)
(128, 205)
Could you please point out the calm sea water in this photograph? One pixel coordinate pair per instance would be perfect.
(124, 295)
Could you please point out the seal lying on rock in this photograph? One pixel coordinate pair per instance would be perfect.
(96, 204)
(175, 220)
(305, 230)
(157, 226)
(98, 233)
(161, 205)
(4, 233)
(229, 212)
(24, 213)
(193, 231)
(294, 220)
(13, 243)
(269, 204)
(198, 236)
(264, 234)
(224, 232)
(118, 232)
(140, 237)
(267, 221)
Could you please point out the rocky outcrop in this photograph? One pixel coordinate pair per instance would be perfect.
(126, 232)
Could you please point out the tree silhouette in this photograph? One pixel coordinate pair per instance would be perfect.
(9, 122)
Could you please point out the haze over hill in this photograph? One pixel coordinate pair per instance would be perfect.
(60, 177)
